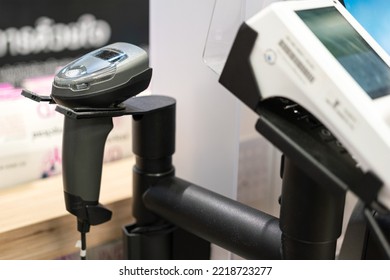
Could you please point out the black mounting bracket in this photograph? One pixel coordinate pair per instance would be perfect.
(301, 137)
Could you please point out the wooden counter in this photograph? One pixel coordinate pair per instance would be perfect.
(34, 223)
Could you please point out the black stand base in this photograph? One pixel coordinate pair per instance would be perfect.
(165, 242)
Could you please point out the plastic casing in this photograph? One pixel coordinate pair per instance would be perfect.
(90, 74)
(360, 123)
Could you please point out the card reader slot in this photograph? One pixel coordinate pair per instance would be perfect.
(307, 122)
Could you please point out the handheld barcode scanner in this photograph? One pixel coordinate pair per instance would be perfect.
(97, 82)
(315, 54)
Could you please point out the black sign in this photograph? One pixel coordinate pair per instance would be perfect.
(38, 36)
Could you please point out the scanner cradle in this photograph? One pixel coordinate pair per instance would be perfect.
(318, 56)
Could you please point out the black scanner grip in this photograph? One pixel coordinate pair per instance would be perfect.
(82, 157)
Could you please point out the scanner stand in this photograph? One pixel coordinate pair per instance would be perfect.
(316, 171)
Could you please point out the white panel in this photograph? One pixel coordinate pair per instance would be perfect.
(207, 114)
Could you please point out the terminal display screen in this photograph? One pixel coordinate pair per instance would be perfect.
(350, 49)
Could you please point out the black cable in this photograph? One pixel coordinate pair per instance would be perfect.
(83, 249)
(83, 227)
(375, 228)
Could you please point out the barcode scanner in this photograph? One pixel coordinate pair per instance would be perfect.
(97, 82)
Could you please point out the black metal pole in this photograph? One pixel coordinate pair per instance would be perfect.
(150, 237)
(153, 147)
(238, 228)
(311, 216)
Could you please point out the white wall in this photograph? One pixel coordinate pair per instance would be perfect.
(207, 114)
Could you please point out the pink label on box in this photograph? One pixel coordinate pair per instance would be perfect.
(10, 93)
(5, 86)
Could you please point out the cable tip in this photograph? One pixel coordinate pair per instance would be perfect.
(83, 253)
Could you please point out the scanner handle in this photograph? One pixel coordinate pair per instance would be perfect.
(82, 157)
